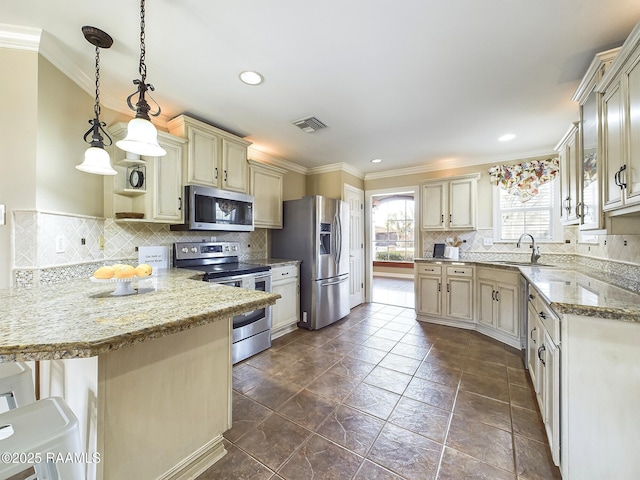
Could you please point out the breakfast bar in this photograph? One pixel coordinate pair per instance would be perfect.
(148, 375)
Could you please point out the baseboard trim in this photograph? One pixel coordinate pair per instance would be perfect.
(198, 462)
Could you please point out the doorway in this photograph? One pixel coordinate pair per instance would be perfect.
(392, 239)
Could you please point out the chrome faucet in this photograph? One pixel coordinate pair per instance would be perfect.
(535, 254)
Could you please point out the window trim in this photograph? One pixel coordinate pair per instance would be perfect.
(556, 224)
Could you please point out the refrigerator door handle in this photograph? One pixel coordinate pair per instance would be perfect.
(338, 239)
(334, 283)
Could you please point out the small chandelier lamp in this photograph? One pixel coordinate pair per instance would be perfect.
(142, 136)
(96, 158)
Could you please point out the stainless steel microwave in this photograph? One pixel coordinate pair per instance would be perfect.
(212, 209)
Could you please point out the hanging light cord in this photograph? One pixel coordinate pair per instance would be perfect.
(142, 108)
(143, 66)
(96, 125)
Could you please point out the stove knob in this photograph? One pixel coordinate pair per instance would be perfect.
(234, 248)
(184, 250)
(194, 249)
(226, 248)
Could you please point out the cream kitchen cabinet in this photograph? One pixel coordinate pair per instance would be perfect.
(498, 294)
(620, 88)
(450, 204)
(158, 195)
(444, 294)
(543, 360)
(265, 184)
(285, 280)
(590, 165)
(215, 158)
(568, 150)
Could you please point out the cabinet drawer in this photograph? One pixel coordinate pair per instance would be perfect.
(460, 271)
(426, 269)
(546, 315)
(282, 273)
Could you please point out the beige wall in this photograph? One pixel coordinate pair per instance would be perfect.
(18, 127)
(331, 184)
(294, 186)
(63, 113)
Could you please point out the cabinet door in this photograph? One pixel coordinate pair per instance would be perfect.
(203, 157)
(285, 311)
(613, 151)
(460, 298)
(433, 203)
(234, 166)
(533, 343)
(632, 173)
(550, 383)
(591, 176)
(568, 153)
(486, 302)
(428, 295)
(462, 204)
(507, 298)
(167, 198)
(266, 188)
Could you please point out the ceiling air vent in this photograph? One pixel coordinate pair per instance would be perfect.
(309, 124)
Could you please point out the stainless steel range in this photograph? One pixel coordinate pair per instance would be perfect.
(219, 263)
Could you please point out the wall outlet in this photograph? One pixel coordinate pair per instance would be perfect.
(61, 244)
(3, 215)
(487, 242)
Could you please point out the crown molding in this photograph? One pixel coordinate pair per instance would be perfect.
(336, 167)
(20, 38)
(262, 157)
(449, 165)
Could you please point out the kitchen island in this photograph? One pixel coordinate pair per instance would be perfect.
(148, 375)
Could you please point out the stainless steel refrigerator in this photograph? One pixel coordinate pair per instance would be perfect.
(316, 231)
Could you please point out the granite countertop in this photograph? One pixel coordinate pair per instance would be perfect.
(572, 289)
(277, 262)
(80, 318)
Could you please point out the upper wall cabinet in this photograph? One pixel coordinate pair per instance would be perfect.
(450, 204)
(215, 158)
(568, 149)
(590, 165)
(266, 183)
(620, 89)
(146, 189)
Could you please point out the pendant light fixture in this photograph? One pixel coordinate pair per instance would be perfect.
(96, 158)
(142, 136)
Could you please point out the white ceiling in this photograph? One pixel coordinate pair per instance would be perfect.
(428, 83)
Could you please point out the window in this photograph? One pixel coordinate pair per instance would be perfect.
(536, 216)
(393, 219)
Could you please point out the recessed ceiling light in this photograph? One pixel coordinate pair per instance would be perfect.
(506, 137)
(251, 78)
(376, 160)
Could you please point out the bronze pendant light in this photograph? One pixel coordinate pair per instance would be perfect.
(96, 158)
(142, 136)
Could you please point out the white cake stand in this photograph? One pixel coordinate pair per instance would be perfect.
(123, 285)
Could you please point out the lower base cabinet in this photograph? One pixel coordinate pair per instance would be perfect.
(498, 311)
(445, 294)
(285, 280)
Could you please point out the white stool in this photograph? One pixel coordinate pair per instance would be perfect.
(41, 430)
(16, 384)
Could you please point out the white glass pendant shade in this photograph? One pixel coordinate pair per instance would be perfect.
(96, 160)
(142, 139)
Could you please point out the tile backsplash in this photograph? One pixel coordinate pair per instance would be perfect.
(51, 247)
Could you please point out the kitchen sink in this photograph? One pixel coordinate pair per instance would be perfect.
(524, 264)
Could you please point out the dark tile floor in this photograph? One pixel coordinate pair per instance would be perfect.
(379, 395)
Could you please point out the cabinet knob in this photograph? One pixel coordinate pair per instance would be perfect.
(542, 315)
